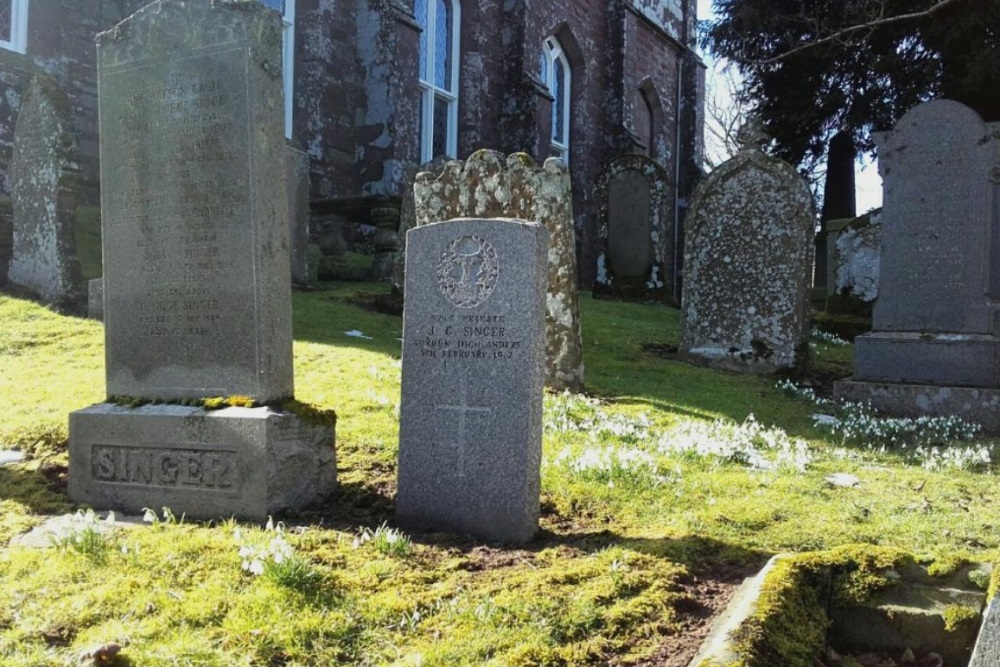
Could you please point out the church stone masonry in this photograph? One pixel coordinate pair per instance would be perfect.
(636, 86)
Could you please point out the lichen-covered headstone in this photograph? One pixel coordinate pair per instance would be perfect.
(44, 186)
(197, 283)
(934, 346)
(748, 263)
(408, 213)
(857, 251)
(470, 434)
(489, 186)
(635, 230)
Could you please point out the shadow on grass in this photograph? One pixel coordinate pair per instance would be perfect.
(325, 315)
(40, 487)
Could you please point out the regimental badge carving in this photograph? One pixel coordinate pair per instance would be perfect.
(468, 271)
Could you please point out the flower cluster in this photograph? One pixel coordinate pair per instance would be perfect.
(85, 534)
(829, 338)
(750, 443)
(387, 541)
(615, 466)
(274, 558)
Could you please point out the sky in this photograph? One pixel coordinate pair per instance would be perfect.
(868, 183)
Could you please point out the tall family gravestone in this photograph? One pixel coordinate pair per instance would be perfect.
(635, 229)
(486, 186)
(748, 263)
(934, 348)
(196, 272)
(44, 184)
(473, 365)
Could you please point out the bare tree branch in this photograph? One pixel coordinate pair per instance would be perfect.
(867, 26)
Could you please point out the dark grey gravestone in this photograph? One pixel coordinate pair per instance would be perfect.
(935, 322)
(44, 185)
(196, 272)
(748, 264)
(194, 215)
(635, 230)
(630, 247)
(297, 173)
(473, 372)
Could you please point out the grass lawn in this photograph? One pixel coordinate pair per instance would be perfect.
(658, 490)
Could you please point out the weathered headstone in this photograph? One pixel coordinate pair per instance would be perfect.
(635, 229)
(196, 272)
(95, 299)
(748, 263)
(408, 213)
(934, 347)
(44, 184)
(473, 366)
(6, 238)
(856, 257)
(297, 173)
(489, 186)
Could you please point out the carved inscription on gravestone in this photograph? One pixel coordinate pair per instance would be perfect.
(196, 247)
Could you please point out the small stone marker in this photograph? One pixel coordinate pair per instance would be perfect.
(196, 273)
(44, 183)
(473, 369)
(934, 348)
(748, 263)
(297, 173)
(488, 185)
(635, 230)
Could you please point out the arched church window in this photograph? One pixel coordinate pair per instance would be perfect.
(439, 20)
(13, 25)
(557, 76)
(287, 10)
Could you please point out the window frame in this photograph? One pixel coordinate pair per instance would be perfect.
(18, 27)
(287, 58)
(553, 52)
(430, 92)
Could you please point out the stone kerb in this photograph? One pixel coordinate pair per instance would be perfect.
(490, 185)
(748, 264)
(472, 378)
(635, 229)
(197, 278)
(44, 184)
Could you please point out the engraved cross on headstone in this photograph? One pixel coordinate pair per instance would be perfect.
(463, 408)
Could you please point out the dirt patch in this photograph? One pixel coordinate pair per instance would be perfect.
(482, 558)
(704, 597)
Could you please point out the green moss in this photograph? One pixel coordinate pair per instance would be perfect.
(991, 592)
(945, 566)
(959, 616)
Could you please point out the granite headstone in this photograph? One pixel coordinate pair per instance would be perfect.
(44, 187)
(196, 273)
(488, 185)
(635, 230)
(95, 299)
(934, 348)
(473, 369)
(748, 263)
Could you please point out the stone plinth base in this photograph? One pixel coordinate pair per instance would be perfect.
(981, 405)
(971, 360)
(242, 462)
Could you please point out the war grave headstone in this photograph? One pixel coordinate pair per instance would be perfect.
(635, 230)
(44, 186)
(473, 369)
(297, 174)
(748, 263)
(196, 273)
(488, 185)
(934, 348)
